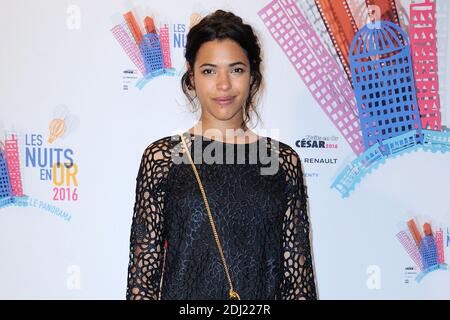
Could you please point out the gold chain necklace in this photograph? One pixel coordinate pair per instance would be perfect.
(233, 294)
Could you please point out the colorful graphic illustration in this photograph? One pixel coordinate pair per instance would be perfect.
(11, 191)
(57, 128)
(53, 168)
(378, 85)
(316, 67)
(426, 250)
(424, 56)
(384, 86)
(150, 52)
(63, 123)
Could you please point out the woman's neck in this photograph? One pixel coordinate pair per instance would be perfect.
(224, 132)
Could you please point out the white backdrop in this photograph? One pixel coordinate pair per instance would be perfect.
(60, 57)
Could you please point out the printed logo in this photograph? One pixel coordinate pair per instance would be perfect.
(425, 249)
(378, 86)
(49, 163)
(149, 46)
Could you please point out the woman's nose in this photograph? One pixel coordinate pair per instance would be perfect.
(223, 81)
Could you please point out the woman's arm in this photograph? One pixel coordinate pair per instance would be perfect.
(298, 272)
(146, 240)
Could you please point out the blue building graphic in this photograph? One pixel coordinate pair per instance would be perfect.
(152, 53)
(383, 79)
(5, 183)
(428, 251)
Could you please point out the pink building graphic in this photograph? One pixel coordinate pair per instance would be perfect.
(129, 46)
(440, 246)
(425, 62)
(315, 66)
(410, 248)
(165, 46)
(13, 163)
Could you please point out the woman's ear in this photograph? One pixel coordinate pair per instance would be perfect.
(191, 79)
(251, 80)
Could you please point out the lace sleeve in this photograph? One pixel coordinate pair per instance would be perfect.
(146, 240)
(298, 274)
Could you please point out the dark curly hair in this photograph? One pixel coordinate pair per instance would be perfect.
(222, 25)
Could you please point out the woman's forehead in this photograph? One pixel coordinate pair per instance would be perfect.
(221, 52)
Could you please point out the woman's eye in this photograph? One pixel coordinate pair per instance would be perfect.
(208, 71)
(238, 70)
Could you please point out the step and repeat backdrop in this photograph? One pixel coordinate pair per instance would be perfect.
(359, 88)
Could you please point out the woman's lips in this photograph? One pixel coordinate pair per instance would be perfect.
(224, 101)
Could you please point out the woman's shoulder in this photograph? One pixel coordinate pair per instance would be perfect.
(161, 149)
(287, 154)
(167, 141)
(291, 165)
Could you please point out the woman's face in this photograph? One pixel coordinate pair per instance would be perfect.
(222, 79)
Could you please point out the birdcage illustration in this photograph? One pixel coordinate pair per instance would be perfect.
(5, 183)
(152, 54)
(383, 79)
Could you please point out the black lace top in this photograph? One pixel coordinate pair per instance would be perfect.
(259, 204)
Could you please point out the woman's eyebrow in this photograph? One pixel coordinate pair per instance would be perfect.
(230, 65)
(208, 65)
(237, 63)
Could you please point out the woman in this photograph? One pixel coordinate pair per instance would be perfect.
(206, 229)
